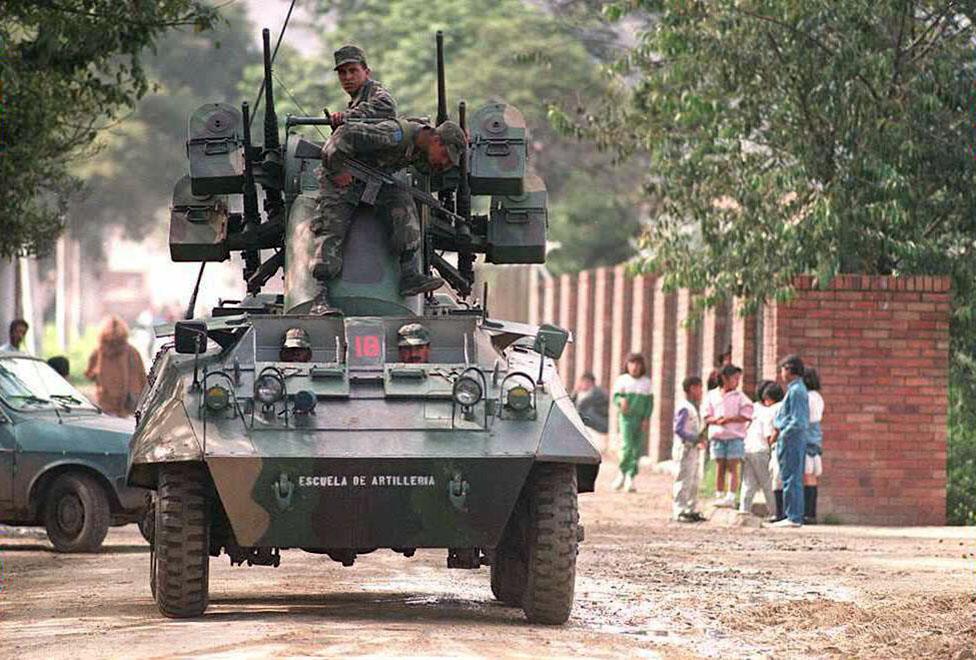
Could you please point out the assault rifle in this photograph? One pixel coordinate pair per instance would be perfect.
(375, 179)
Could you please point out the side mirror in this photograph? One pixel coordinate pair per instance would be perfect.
(190, 337)
(550, 341)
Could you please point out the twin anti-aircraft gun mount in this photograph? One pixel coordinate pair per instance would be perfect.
(224, 162)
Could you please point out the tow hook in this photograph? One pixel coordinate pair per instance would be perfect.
(457, 491)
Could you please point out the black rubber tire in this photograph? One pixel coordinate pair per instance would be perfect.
(552, 521)
(76, 513)
(181, 543)
(508, 577)
(147, 524)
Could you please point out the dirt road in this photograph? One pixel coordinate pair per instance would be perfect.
(646, 587)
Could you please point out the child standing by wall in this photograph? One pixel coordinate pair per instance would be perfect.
(634, 401)
(727, 411)
(755, 467)
(813, 466)
(684, 451)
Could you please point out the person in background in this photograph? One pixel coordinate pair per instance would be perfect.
(792, 420)
(634, 401)
(684, 451)
(755, 467)
(592, 402)
(116, 369)
(60, 364)
(813, 463)
(727, 411)
(17, 332)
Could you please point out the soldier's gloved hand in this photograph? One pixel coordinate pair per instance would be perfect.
(342, 179)
(338, 119)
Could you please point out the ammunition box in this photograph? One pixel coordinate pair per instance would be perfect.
(215, 148)
(499, 150)
(197, 225)
(517, 225)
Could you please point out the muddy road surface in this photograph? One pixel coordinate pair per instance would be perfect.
(646, 588)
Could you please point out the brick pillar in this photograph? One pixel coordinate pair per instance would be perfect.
(550, 300)
(662, 374)
(602, 324)
(745, 345)
(881, 345)
(584, 325)
(688, 341)
(535, 289)
(621, 317)
(642, 319)
(716, 325)
(567, 319)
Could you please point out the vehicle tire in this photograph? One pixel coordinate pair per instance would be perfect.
(76, 513)
(508, 577)
(147, 524)
(180, 561)
(551, 543)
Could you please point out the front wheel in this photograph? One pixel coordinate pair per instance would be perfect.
(76, 513)
(180, 558)
(552, 520)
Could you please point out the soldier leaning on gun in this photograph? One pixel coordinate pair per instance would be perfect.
(368, 98)
(389, 145)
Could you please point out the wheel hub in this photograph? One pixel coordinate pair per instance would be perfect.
(71, 514)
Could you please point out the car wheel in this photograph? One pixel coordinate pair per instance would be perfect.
(147, 524)
(76, 513)
(180, 561)
(551, 544)
(508, 578)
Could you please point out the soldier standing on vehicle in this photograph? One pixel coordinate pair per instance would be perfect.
(367, 98)
(297, 346)
(389, 146)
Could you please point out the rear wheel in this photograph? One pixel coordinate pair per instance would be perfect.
(180, 560)
(76, 513)
(551, 542)
(508, 577)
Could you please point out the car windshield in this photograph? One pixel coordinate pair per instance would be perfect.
(28, 384)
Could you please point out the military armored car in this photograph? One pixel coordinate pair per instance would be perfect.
(347, 449)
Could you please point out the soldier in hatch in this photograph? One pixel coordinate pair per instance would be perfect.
(367, 98)
(297, 346)
(413, 344)
(388, 145)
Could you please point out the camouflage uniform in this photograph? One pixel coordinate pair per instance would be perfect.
(372, 101)
(387, 145)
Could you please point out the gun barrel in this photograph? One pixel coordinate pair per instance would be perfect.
(441, 85)
(270, 118)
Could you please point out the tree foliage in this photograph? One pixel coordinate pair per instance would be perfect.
(68, 68)
(799, 136)
(508, 50)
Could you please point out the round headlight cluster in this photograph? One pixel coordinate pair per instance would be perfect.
(216, 398)
(518, 398)
(467, 392)
(269, 388)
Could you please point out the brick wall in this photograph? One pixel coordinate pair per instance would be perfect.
(880, 343)
(881, 346)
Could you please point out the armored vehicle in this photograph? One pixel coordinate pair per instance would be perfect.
(344, 447)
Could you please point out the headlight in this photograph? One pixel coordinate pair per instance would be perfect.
(305, 402)
(467, 392)
(216, 398)
(518, 398)
(269, 388)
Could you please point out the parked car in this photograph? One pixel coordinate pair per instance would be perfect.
(62, 461)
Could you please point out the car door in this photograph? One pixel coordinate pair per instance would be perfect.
(8, 446)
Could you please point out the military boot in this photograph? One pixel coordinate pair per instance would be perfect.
(321, 305)
(412, 281)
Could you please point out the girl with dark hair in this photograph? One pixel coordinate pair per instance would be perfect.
(632, 396)
(813, 466)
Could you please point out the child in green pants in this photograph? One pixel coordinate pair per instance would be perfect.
(632, 396)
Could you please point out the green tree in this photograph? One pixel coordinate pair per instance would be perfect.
(506, 50)
(67, 69)
(800, 136)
